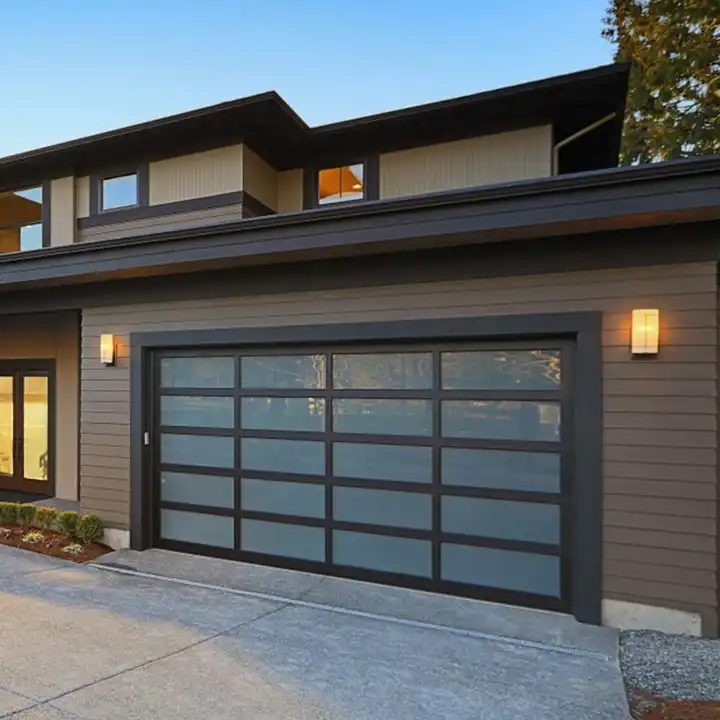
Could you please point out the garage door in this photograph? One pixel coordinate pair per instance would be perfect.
(442, 467)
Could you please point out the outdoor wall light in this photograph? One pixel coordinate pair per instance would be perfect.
(645, 332)
(107, 349)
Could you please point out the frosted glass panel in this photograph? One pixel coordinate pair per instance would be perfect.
(208, 490)
(7, 428)
(524, 572)
(382, 417)
(283, 371)
(197, 372)
(196, 528)
(304, 457)
(385, 554)
(501, 420)
(383, 462)
(506, 519)
(200, 450)
(295, 541)
(35, 428)
(217, 412)
(283, 498)
(501, 370)
(506, 469)
(383, 371)
(383, 507)
(268, 413)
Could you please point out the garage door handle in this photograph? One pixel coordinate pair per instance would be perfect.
(146, 438)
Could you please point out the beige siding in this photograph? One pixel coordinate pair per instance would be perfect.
(52, 337)
(660, 415)
(199, 175)
(175, 221)
(290, 191)
(62, 211)
(82, 196)
(516, 155)
(260, 179)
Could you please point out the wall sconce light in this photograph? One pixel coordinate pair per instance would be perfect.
(107, 349)
(645, 332)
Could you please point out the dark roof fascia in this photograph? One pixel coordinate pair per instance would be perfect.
(287, 139)
(685, 189)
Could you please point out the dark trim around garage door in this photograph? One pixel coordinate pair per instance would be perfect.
(584, 328)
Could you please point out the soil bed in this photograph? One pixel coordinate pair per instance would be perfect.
(52, 544)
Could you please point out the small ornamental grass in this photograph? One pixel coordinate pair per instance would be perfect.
(33, 537)
(74, 549)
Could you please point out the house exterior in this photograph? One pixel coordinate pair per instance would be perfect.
(396, 348)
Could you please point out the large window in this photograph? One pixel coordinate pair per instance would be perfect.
(21, 220)
(341, 184)
(119, 192)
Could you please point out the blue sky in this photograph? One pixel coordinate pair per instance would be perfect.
(75, 67)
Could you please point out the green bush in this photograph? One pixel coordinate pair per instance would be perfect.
(90, 529)
(45, 517)
(26, 514)
(67, 523)
(8, 513)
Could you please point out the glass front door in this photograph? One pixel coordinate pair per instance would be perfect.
(26, 401)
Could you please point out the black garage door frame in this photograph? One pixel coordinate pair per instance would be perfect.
(584, 329)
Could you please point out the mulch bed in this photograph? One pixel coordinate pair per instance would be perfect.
(648, 707)
(52, 544)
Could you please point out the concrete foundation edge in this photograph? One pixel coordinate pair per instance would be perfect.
(634, 616)
(117, 539)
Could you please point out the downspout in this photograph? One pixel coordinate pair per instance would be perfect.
(575, 136)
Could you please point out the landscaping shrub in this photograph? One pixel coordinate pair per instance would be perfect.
(26, 514)
(90, 529)
(45, 517)
(74, 549)
(8, 513)
(67, 523)
(33, 537)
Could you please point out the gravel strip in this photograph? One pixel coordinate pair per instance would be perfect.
(675, 667)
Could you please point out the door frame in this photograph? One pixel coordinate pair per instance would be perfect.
(584, 328)
(46, 367)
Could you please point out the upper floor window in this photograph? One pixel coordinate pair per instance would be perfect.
(21, 220)
(119, 192)
(341, 184)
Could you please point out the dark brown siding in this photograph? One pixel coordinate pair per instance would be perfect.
(660, 415)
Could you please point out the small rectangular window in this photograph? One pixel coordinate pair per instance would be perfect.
(119, 192)
(341, 184)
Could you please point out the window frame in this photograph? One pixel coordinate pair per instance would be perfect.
(97, 180)
(371, 180)
(44, 222)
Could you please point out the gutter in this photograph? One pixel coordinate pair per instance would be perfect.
(575, 136)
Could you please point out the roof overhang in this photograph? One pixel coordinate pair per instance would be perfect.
(273, 129)
(619, 199)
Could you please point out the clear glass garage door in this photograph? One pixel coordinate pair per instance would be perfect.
(440, 467)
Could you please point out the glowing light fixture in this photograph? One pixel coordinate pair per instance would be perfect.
(645, 336)
(107, 349)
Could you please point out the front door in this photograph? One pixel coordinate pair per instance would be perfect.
(26, 412)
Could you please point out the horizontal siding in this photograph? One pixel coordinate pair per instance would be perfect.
(660, 415)
(164, 223)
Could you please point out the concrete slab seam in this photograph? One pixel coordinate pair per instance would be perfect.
(146, 663)
(359, 613)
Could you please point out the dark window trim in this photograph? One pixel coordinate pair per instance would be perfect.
(371, 179)
(584, 328)
(142, 171)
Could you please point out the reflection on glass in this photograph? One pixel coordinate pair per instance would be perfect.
(21, 220)
(6, 426)
(197, 450)
(382, 417)
(199, 411)
(501, 370)
(301, 457)
(31, 237)
(35, 427)
(295, 414)
(197, 372)
(119, 192)
(341, 184)
(501, 420)
(283, 371)
(386, 371)
(383, 462)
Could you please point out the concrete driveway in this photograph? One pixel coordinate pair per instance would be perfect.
(84, 642)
